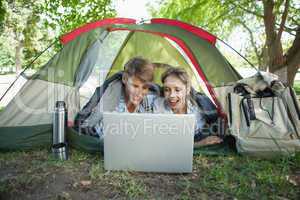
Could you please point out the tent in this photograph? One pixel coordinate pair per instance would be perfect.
(94, 52)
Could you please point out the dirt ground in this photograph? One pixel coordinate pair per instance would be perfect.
(37, 175)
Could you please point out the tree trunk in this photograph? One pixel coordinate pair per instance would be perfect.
(292, 71)
(287, 74)
(18, 62)
(264, 59)
(283, 66)
(292, 58)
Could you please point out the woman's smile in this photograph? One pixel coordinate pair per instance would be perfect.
(175, 92)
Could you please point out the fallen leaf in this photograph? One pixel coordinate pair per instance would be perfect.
(86, 182)
(107, 173)
(292, 180)
(64, 196)
(203, 196)
(75, 185)
(253, 184)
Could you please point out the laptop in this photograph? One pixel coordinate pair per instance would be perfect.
(148, 142)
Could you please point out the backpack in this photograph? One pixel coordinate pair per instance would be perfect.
(264, 121)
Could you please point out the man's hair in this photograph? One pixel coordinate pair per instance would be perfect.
(179, 73)
(140, 68)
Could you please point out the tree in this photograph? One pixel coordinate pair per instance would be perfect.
(6, 53)
(23, 34)
(285, 64)
(265, 22)
(2, 15)
(29, 26)
(65, 15)
(16, 12)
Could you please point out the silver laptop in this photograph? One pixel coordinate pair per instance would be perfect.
(148, 142)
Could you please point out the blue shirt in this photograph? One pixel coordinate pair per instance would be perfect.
(146, 106)
(191, 109)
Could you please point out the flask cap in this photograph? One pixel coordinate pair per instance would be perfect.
(60, 104)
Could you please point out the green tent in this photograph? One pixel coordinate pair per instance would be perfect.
(94, 52)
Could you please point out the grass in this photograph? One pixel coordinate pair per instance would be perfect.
(7, 73)
(297, 87)
(250, 178)
(26, 174)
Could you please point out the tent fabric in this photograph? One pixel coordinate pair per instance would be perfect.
(34, 104)
(35, 137)
(25, 137)
(87, 64)
(63, 66)
(156, 49)
(108, 49)
(88, 27)
(217, 70)
(117, 39)
(193, 29)
(85, 143)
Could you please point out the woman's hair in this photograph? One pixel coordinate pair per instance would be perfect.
(141, 68)
(179, 73)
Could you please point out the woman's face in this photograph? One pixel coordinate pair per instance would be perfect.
(175, 93)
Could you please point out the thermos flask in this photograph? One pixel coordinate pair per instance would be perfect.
(59, 144)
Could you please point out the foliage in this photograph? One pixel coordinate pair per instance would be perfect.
(29, 26)
(2, 15)
(221, 17)
(297, 87)
(23, 34)
(6, 53)
(254, 18)
(206, 14)
(64, 16)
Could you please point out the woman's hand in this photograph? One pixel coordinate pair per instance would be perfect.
(208, 141)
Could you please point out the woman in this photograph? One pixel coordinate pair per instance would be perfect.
(177, 100)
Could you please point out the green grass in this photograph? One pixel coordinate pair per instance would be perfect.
(213, 177)
(297, 87)
(250, 178)
(6, 73)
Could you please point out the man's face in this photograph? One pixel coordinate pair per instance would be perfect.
(135, 90)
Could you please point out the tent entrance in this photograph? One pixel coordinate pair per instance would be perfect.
(96, 63)
(107, 57)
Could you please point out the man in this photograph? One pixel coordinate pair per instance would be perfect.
(123, 92)
(136, 79)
